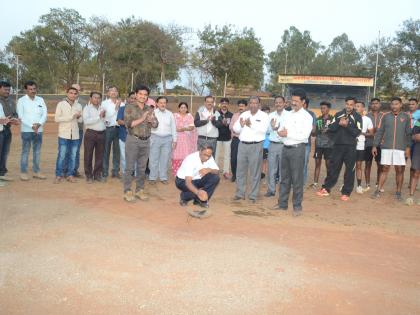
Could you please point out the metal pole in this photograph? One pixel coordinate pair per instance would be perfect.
(285, 71)
(376, 66)
(132, 80)
(17, 77)
(103, 86)
(224, 90)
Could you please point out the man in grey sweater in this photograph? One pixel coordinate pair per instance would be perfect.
(394, 137)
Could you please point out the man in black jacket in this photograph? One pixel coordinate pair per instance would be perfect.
(225, 137)
(345, 128)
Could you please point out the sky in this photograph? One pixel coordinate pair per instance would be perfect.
(325, 19)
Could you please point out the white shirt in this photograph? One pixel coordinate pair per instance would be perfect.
(256, 132)
(366, 125)
(167, 126)
(31, 112)
(192, 165)
(110, 112)
(92, 118)
(208, 130)
(299, 127)
(280, 122)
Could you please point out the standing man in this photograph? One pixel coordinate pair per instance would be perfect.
(122, 132)
(67, 114)
(197, 178)
(394, 135)
(111, 106)
(295, 133)
(309, 143)
(277, 121)
(225, 137)
(415, 160)
(346, 127)
(412, 108)
(251, 127)
(207, 121)
(162, 141)
(139, 119)
(242, 104)
(323, 141)
(375, 116)
(93, 118)
(8, 118)
(32, 113)
(367, 131)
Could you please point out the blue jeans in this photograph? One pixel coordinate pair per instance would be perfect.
(28, 139)
(305, 169)
(5, 140)
(111, 140)
(77, 161)
(64, 146)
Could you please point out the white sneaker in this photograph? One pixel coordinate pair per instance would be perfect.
(6, 178)
(367, 188)
(2, 183)
(359, 189)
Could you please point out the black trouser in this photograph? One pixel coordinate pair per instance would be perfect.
(234, 155)
(208, 183)
(292, 165)
(5, 140)
(341, 154)
(94, 147)
(111, 140)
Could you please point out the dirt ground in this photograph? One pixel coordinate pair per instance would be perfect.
(80, 249)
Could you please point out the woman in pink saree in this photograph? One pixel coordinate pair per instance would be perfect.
(186, 136)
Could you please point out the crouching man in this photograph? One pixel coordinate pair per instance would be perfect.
(197, 178)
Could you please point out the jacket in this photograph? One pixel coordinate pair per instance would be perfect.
(394, 131)
(346, 135)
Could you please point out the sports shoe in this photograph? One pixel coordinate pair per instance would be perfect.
(344, 198)
(367, 188)
(398, 196)
(359, 189)
(39, 175)
(142, 195)
(128, 196)
(313, 186)
(2, 183)
(6, 178)
(322, 193)
(269, 194)
(409, 201)
(24, 177)
(377, 194)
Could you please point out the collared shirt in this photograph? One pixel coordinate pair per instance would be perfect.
(167, 126)
(192, 165)
(299, 127)
(30, 112)
(111, 111)
(234, 119)
(68, 127)
(133, 112)
(92, 118)
(205, 127)
(280, 120)
(258, 129)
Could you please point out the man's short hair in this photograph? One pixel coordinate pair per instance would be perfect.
(142, 88)
(112, 87)
(29, 83)
(325, 103)
(95, 93)
(375, 99)
(5, 84)
(265, 108)
(396, 98)
(300, 93)
(412, 99)
(279, 96)
(72, 88)
(243, 101)
(360, 102)
(254, 97)
(224, 100)
(131, 93)
(208, 96)
(350, 98)
(206, 147)
(162, 98)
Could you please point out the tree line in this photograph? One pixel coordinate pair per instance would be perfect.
(64, 45)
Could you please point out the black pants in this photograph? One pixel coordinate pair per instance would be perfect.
(341, 154)
(292, 165)
(208, 183)
(5, 140)
(234, 155)
(94, 148)
(111, 140)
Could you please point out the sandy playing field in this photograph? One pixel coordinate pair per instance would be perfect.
(80, 249)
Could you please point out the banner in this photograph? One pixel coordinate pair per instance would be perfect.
(325, 80)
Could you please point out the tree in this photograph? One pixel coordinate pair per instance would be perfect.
(224, 51)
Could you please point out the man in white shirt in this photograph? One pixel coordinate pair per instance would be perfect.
(296, 132)
(367, 131)
(277, 121)
(252, 127)
(32, 112)
(207, 121)
(162, 141)
(111, 107)
(93, 118)
(198, 177)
